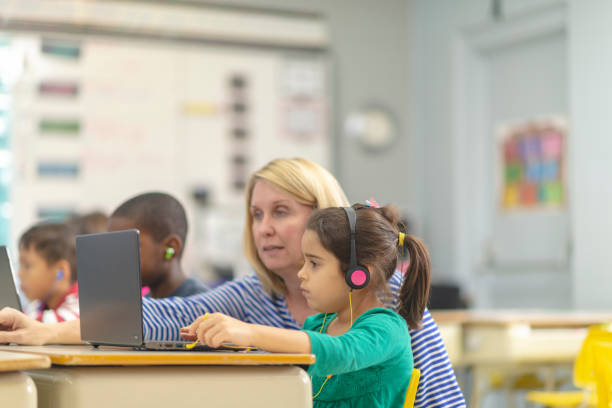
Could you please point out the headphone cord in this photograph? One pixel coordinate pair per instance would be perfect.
(351, 307)
(321, 329)
(322, 385)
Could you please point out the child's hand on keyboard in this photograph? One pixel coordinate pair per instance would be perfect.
(213, 329)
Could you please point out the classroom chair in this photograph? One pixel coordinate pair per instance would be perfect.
(603, 372)
(584, 375)
(412, 388)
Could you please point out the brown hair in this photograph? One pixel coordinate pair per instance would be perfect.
(90, 223)
(53, 242)
(377, 244)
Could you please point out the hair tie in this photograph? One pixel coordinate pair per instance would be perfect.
(372, 203)
(400, 239)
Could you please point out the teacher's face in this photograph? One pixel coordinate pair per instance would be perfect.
(279, 222)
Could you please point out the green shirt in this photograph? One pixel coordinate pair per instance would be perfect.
(371, 363)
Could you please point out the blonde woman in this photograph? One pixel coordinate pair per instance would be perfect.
(279, 200)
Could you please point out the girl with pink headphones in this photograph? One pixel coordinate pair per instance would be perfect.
(363, 352)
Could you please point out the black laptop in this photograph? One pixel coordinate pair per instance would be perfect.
(110, 301)
(8, 291)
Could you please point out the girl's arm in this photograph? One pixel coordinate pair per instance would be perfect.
(216, 328)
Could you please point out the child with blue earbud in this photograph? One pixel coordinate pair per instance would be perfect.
(47, 272)
(363, 351)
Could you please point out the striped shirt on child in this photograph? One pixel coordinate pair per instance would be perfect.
(67, 309)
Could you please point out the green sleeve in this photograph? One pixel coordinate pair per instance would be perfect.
(376, 336)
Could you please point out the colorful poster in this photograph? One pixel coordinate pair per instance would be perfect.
(533, 157)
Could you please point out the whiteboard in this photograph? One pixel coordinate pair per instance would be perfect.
(160, 116)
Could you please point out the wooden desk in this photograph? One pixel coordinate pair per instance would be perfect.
(85, 377)
(492, 337)
(16, 388)
(513, 342)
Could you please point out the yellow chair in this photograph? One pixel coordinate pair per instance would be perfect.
(584, 375)
(603, 372)
(412, 388)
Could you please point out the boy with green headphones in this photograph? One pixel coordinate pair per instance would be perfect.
(162, 223)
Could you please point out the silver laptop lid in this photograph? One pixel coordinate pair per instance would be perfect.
(110, 303)
(8, 291)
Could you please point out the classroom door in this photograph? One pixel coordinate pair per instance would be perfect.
(519, 257)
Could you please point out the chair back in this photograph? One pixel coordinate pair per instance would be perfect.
(584, 367)
(590, 374)
(412, 388)
(603, 372)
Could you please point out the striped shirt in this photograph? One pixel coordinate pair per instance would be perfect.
(67, 309)
(246, 300)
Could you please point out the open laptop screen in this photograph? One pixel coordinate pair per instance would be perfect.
(110, 303)
(8, 292)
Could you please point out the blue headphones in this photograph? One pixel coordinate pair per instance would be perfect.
(356, 276)
(58, 277)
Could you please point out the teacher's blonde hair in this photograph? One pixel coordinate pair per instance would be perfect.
(308, 183)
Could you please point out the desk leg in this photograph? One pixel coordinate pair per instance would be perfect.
(17, 390)
(508, 381)
(479, 374)
(549, 382)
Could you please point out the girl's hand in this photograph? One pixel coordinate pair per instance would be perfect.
(189, 332)
(213, 329)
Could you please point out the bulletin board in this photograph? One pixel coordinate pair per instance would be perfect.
(530, 227)
(97, 119)
(533, 161)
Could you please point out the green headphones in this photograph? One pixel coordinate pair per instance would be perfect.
(169, 253)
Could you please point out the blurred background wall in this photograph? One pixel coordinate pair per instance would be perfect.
(447, 76)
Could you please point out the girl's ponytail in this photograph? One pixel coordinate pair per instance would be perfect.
(414, 292)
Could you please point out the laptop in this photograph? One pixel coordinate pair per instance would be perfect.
(8, 292)
(110, 302)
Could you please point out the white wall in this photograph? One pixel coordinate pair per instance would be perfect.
(399, 53)
(371, 49)
(402, 57)
(437, 23)
(447, 229)
(589, 37)
(590, 50)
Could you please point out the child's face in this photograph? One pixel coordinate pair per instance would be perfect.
(323, 283)
(151, 252)
(36, 275)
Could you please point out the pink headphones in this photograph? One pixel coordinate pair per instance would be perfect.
(357, 276)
